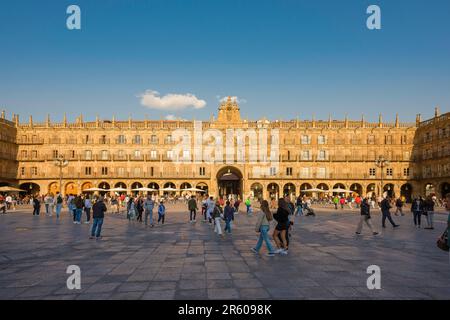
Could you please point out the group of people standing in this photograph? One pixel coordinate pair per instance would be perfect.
(140, 206)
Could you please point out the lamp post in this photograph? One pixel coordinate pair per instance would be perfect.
(381, 163)
(60, 162)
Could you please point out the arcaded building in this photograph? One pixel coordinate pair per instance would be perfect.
(229, 155)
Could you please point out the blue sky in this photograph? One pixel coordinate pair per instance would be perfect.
(284, 58)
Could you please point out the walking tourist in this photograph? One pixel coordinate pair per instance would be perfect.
(3, 204)
(71, 206)
(298, 205)
(228, 213)
(216, 215)
(58, 204)
(131, 209)
(342, 202)
(336, 202)
(428, 207)
(248, 204)
(417, 208)
(78, 209)
(139, 208)
(365, 217)
(47, 200)
(385, 206)
(210, 205)
(399, 205)
(115, 205)
(87, 208)
(236, 205)
(204, 208)
(161, 212)
(9, 202)
(282, 218)
(192, 207)
(98, 215)
(263, 227)
(36, 205)
(148, 209)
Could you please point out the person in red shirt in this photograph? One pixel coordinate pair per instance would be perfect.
(358, 201)
(342, 202)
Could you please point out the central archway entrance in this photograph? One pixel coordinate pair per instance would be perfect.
(229, 182)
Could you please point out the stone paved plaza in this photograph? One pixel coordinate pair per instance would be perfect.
(187, 261)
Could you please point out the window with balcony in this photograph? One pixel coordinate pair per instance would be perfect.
(321, 139)
(321, 172)
(388, 139)
(121, 139)
(88, 154)
(305, 172)
(306, 139)
(137, 139)
(104, 154)
(306, 155)
(153, 139)
(404, 139)
(322, 155)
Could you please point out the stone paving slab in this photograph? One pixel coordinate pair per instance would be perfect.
(189, 261)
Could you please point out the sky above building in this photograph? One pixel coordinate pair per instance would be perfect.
(282, 59)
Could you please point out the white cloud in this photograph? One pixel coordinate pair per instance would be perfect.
(171, 101)
(233, 98)
(171, 117)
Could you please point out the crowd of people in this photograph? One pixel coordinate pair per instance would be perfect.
(222, 210)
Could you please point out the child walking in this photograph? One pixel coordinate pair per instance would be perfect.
(161, 212)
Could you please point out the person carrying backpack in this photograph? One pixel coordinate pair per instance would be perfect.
(58, 204)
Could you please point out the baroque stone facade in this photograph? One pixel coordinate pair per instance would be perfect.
(300, 154)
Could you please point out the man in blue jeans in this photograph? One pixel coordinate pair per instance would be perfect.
(78, 209)
(59, 203)
(98, 214)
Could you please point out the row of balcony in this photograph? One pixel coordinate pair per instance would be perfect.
(334, 176)
(168, 175)
(149, 158)
(101, 141)
(153, 141)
